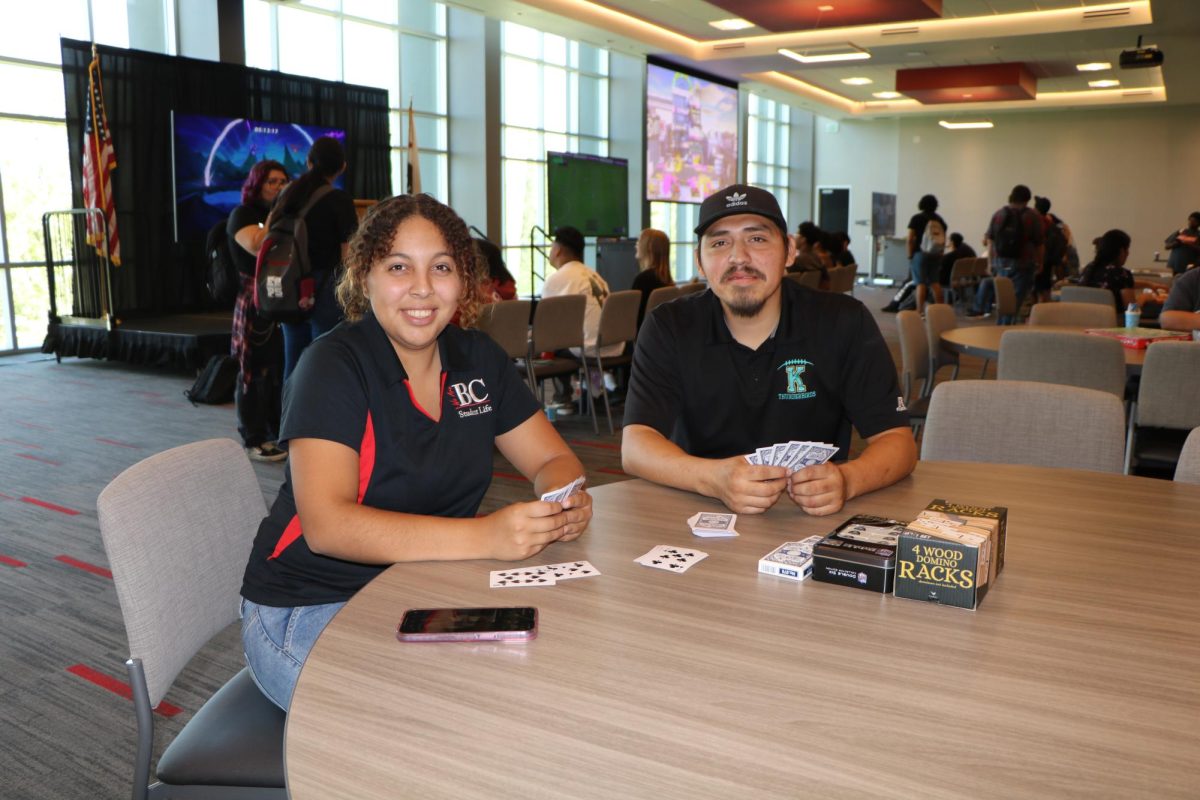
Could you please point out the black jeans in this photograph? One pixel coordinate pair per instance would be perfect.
(259, 404)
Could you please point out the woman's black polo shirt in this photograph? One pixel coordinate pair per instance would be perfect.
(826, 367)
(351, 388)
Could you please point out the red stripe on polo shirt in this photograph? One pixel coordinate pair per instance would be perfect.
(413, 397)
(290, 534)
(117, 687)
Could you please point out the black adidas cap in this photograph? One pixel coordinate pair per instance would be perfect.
(740, 199)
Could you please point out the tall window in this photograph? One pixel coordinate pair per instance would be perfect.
(554, 97)
(768, 135)
(398, 45)
(35, 172)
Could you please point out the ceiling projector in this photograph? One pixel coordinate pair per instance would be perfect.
(1141, 57)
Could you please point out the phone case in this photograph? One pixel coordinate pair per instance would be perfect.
(468, 636)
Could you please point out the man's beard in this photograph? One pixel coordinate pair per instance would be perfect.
(739, 305)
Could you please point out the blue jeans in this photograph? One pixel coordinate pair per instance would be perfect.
(1021, 273)
(325, 316)
(924, 268)
(276, 642)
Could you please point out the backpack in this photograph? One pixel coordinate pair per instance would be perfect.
(1010, 238)
(933, 241)
(282, 274)
(215, 383)
(222, 280)
(1056, 247)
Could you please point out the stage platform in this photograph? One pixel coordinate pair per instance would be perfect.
(177, 341)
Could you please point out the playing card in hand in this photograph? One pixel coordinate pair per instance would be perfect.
(671, 559)
(563, 492)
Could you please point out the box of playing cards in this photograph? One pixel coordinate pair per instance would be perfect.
(791, 560)
(951, 554)
(860, 553)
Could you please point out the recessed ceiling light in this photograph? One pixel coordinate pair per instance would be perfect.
(886, 95)
(1094, 66)
(734, 24)
(964, 126)
(967, 95)
(818, 55)
(857, 81)
(1104, 84)
(823, 9)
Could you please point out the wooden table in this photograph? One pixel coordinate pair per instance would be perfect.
(1076, 677)
(983, 341)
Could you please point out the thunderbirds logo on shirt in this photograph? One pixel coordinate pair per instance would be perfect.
(797, 389)
(470, 399)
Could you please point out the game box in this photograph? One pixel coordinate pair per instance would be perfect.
(951, 554)
(860, 553)
(791, 560)
(1139, 338)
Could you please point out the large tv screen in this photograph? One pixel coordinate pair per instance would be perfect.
(691, 135)
(590, 193)
(213, 155)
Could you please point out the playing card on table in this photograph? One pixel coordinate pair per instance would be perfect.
(569, 570)
(525, 576)
(671, 559)
(711, 524)
(563, 492)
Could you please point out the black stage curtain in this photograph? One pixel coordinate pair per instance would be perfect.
(158, 275)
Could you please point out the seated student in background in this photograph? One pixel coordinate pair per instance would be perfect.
(1181, 311)
(807, 235)
(654, 260)
(839, 247)
(391, 420)
(499, 281)
(1107, 271)
(958, 250)
(758, 360)
(1183, 245)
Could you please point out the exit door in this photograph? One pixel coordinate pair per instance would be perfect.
(833, 208)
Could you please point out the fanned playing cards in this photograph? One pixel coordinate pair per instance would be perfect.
(563, 492)
(544, 575)
(793, 455)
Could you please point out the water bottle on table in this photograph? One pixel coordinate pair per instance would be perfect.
(1133, 316)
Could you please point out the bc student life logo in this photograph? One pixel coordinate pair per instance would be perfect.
(470, 399)
(794, 370)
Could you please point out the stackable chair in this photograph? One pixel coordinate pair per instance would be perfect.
(618, 323)
(939, 318)
(177, 528)
(691, 287)
(841, 279)
(1022, 422)
(1006, 302)
(962, 282)
(914, 366)
(1167, 404)
(507, 322)
(811, 278)
(1188, 468)
(557, 325)
(1084, 315)
(664, 294)
(1086, 294)
(1070, 359)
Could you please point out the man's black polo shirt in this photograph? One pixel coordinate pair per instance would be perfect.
(351, 388)
(826, 367)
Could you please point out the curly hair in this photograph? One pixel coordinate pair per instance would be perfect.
(373, 240)
(252, 187)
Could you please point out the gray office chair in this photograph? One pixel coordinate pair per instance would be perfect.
(914, 366)
(1166, 404)
(557, 326)
(1188, 468)
(177, 528)
(1086, 294)
(507, 322)
(1070, 359)
(618, 323)
(1022, 422)
(1084, 315)
(939, 318)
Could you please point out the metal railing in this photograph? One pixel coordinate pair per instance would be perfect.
(71, 261)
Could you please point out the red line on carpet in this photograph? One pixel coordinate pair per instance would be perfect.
(70, 512)
(4, 496)
(604, 445)
(149, 395)
(83, 565)
(611, 470)
(512, 476)
(118, 687)
(32, 457)
(12, 562)
(18, 443)
(115, 443)
(34, 427)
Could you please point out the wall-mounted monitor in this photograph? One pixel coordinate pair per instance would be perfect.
(213, 155)
(590, 193)
(691, 134)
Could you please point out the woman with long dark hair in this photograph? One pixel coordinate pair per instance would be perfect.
(1107, 271)
(257, 343)
(330, 224)
(654, 259)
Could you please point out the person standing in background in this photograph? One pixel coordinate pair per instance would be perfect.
(257, 343)
(925, 251)
(1015, 241)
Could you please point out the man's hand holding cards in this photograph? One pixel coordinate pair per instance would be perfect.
(793, 455)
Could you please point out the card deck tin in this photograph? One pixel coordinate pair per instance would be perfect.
(860, 553)
(951, 554)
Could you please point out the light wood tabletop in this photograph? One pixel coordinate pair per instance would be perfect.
(983, 341)
(1076, 676)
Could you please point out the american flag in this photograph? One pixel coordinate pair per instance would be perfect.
(99, 160)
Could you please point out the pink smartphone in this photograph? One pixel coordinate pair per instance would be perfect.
(512, 624)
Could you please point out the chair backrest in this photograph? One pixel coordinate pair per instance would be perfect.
(1022, 422)
(1087, 315)
(1086, 294)
(1070, 359)
(1187, 470)
(558, 323)
(914, 352)
(810, 278)
(618, 317)
(1169, 392)
(691, 287)
(981, 266)
(507, 322)
(963, 269)
(177, 528)
(939, 318)
(841, 279)
(659, 296)
(1006, 297)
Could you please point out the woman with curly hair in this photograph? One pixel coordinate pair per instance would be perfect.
(390, 420)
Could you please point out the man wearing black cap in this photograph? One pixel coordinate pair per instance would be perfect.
(757, 361)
